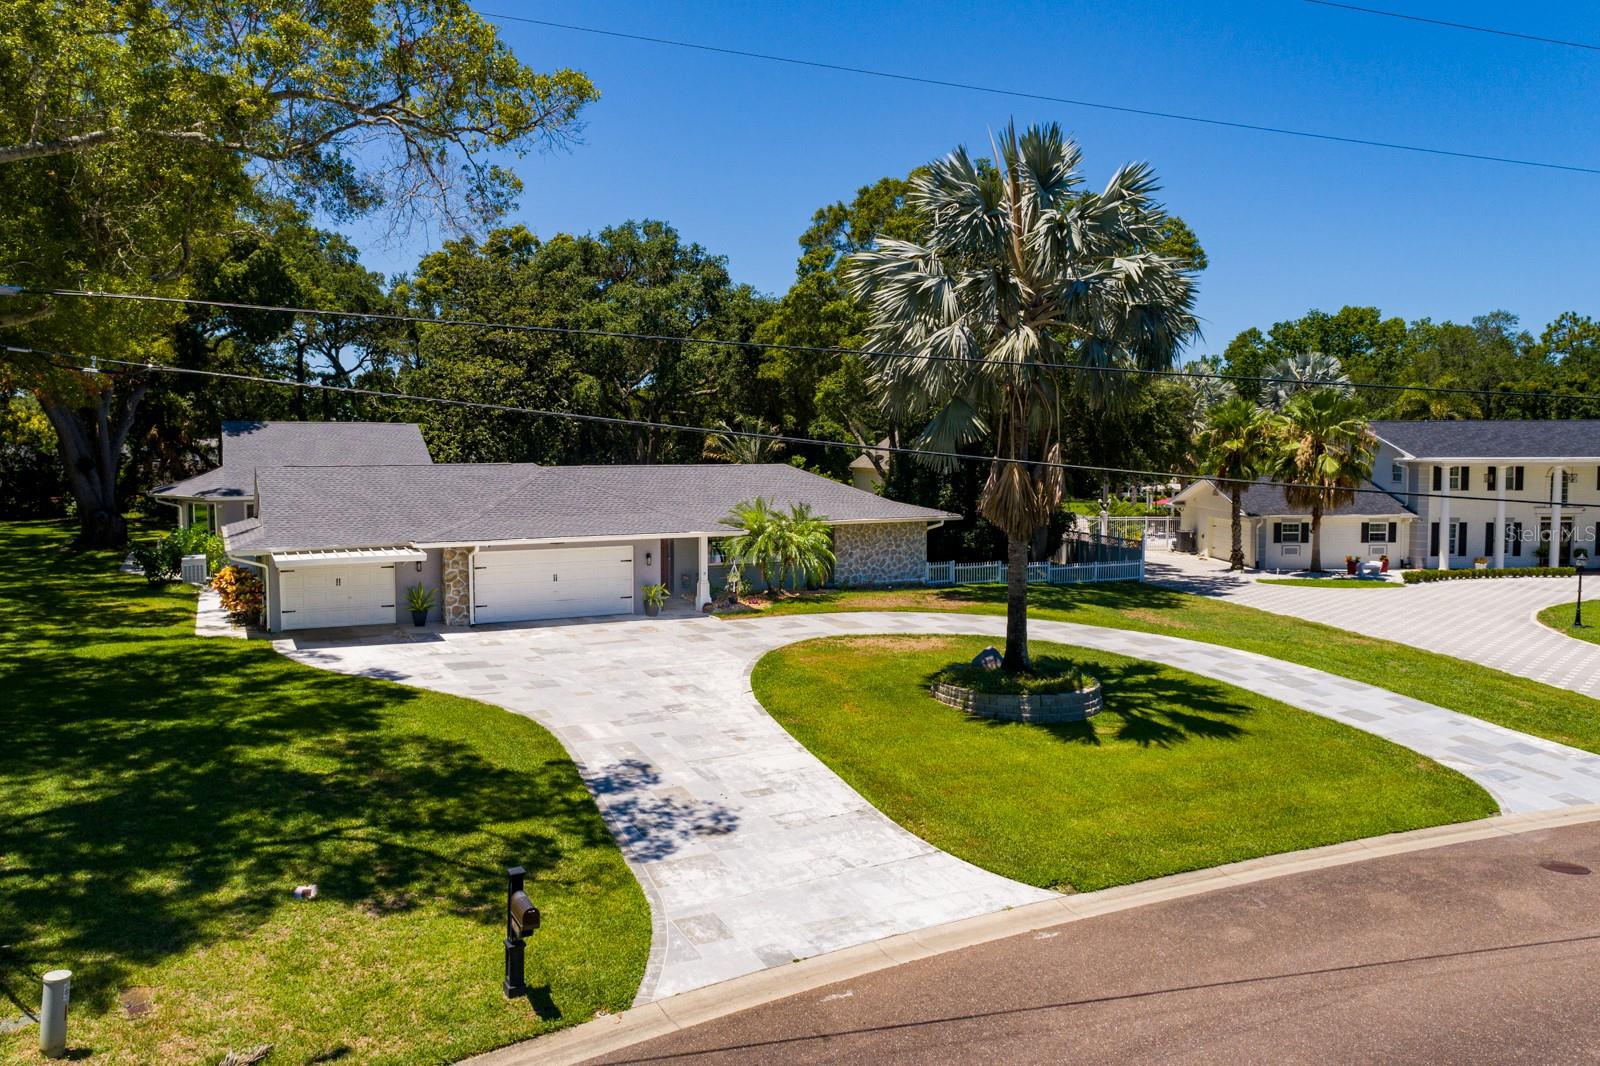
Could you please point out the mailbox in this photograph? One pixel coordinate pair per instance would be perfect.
(522, 917)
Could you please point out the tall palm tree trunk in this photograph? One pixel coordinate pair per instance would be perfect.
(1016, 659)
(1316, 537)
(1236, 556)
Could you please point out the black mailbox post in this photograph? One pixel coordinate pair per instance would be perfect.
(522, 918)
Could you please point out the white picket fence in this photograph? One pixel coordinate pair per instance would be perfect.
(953, 573)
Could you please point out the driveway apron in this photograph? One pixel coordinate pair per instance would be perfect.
(752, 852)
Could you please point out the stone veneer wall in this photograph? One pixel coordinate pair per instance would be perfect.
(1025, 707)
(457, 586)
(881, 553)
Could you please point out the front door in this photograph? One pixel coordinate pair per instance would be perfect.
(1564, 557)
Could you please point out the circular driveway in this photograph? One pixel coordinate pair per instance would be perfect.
(754, 853)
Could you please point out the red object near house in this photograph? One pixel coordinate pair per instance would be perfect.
(1383, 565)
(1350, 565)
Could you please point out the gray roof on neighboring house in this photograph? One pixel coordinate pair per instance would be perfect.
(1494, 438)
(362, 506)
(249, 446)
(1261, 499)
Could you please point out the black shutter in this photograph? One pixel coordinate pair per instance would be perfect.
(1516, 538)
(1438, 479)
(1489, 476)
(1518, 486)
(1394, 532)
(1488, 539)
(1466, 477)
(1305, 532)
(1366, 533)
(1433, 539)
(1277, 532)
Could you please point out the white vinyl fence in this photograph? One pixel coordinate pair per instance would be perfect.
(952, 573)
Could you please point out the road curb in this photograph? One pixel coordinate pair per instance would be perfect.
(660, 1017)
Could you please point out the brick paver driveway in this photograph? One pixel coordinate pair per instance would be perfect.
(754, 853)
(1490, 622)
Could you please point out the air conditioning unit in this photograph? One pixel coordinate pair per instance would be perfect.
(194, 570)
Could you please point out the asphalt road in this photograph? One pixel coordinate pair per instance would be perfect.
(1474, 953)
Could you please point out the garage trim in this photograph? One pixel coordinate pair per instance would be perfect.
(346, 556)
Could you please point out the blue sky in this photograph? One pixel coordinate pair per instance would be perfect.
(737, 153)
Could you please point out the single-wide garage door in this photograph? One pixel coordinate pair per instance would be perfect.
(517, 586)
(314, 597)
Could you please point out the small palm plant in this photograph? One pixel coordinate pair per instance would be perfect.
(1234, 447)
(732, 444)
(419, 600)
(805, 546)
(757, 545)
(1324, 453)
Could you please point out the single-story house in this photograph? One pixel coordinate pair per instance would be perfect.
(1448, 493)
(340, 540)
(1277, 536)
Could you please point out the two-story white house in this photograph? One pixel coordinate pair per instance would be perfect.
(1442, 494)
(1493, 490)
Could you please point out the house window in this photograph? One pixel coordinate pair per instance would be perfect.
(1514, 539)
(1566, 484)
(1376, 533)
(1459, 479)
(200, 515)
(1490, 476)
(1458, 538)
(1514, 479)
(1291, 533)
(249, 510)
(1396, 473)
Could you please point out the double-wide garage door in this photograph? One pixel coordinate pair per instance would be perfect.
(516, 586)
(318, 596)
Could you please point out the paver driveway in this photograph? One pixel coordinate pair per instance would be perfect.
(752, 851)
(1486, 621)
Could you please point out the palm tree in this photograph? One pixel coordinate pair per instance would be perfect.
(1324, 452)
(805, 546)
(1417, 401)
(1206, 389)
(1234, 447)
(757, 546)
(1297, 372)
(733, 445)
(1021, 267)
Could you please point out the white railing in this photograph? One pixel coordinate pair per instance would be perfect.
(953, 573)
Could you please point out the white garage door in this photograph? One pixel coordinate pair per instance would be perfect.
(517, 586)
(318, 596)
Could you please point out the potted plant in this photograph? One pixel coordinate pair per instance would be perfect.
(1383, 564)
(654, 597)
(1480, 563)
(420, 599)
(1350, 562)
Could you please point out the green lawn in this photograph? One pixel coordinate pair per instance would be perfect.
(164, 794)
(1330, 582)
(1543, 710)
(1177, 773)
(1560, 619)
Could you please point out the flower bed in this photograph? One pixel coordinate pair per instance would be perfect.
(1417, 577)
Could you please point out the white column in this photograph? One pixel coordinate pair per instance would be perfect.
(1444, 521)
(702, 592)
(1501, 473)
(1558, 478)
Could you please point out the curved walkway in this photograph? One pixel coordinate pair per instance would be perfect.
(1490, 622)
(753, 852)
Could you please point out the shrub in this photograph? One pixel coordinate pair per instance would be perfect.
(197, 540)
(1050, 674)
(241, 593)
(159, 560)
(1417, 577)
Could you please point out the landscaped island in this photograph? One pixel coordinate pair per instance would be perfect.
(1176, 773)
(1561, 616)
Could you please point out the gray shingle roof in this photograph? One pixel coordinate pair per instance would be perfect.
(1494, 438)
(1263, 499)
(360, 506)
(250, 446)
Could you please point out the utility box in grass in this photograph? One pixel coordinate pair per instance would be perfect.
(194, 569)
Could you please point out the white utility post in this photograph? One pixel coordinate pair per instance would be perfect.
(1558, 484)
(702, 592)
(1500, 517)
(1444, 520)
(53, 1013)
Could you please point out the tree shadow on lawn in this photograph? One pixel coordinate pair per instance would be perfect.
(165, 792)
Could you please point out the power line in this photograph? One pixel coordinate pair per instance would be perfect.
(1020, 94)
(1456, 25)
(76, 362)
(389, 316)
